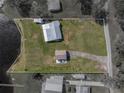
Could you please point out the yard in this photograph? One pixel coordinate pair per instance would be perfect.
(39, 56)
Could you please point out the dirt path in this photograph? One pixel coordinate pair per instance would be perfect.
(101, 59)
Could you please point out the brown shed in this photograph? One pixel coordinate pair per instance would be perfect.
(61, 54)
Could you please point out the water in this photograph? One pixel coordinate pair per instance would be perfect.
(9, 49)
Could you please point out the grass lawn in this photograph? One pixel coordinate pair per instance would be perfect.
(38, 56)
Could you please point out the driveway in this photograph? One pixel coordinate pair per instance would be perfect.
(101, 59)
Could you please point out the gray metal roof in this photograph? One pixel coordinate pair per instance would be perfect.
(81, 89)
(54, 84)
(52, 31)
(53, 5)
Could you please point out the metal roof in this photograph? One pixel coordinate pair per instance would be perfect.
(52, 31)
(82, 89)
(79, 76)
(53, 5)
(38, 20)
(54, 84)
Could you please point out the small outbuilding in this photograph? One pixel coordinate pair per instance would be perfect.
(61, 56)
(52, 32)
(38, 20)
(79, 76)
(54, 5)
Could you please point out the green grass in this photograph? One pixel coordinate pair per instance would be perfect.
(85, 36)
(77, 65)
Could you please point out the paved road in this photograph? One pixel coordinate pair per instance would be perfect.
(107, 36)
(110, 31)
(114, 30)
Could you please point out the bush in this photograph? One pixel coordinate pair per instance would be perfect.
(86, 7)
(119, 5)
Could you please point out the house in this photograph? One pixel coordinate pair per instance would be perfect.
(51, 31)
(38, 20)
(54, 84)
(82, 89)
(61, 56)
(54, 5)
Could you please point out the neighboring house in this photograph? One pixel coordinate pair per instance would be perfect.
(52, 31)
(54, 5)
(82, 89)
(54, 84)
(61, 56)
(38, 20)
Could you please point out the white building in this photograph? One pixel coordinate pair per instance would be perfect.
(51, 31)
(38, 20)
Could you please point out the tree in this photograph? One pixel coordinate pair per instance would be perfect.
(86, 7)
(119, 5)
(100, 16)
(119, 63)
(24, 6)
